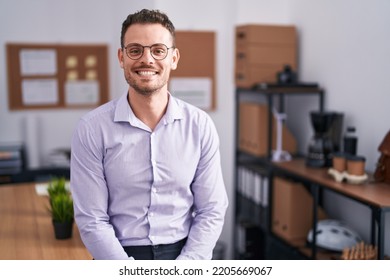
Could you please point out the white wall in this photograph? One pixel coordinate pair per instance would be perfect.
(344, 45)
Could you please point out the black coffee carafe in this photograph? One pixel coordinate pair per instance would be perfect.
(326, 140)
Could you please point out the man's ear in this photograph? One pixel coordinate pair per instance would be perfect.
(175, 59)
(120, 57)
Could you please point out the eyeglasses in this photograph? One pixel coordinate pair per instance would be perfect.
(158, 51)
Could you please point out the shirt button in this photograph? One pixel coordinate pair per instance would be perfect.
(151, 214)
(154, 190)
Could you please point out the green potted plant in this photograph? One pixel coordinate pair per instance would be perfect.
(57, 186)
(61, 208)
(62, 215)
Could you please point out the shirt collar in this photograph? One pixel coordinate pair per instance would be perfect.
(124, 113)
(174, 111)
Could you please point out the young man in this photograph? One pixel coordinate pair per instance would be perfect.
(145, 168)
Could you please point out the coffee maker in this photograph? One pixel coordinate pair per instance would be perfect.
(326, 139)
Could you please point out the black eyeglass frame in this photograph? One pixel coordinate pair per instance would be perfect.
(150, 47)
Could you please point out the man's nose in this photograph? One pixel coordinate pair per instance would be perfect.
(147, 55)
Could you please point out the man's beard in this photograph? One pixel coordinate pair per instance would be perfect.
(147, 90)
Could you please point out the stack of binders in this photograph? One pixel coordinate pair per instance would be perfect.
(11, 159)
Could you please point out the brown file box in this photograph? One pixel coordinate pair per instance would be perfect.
(292, 210)
(253, 131)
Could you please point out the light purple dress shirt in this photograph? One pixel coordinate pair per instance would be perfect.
(133, 186)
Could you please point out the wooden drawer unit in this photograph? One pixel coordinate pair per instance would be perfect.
(262, 51)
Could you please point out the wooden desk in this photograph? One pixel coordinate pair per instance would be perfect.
(26, 231)
(370, 193)
(375, 195)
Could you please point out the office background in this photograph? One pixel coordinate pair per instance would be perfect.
(343, 45)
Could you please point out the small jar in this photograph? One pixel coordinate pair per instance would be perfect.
(350, 141)
(339, 161)
(356, 165)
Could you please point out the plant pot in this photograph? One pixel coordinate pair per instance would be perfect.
(63, 230)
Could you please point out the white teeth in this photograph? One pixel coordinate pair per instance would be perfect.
(146, 73)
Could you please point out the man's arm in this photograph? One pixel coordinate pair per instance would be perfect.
(90, 195)
(210, 199)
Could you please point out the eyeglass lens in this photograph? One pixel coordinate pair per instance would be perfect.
(158, 51)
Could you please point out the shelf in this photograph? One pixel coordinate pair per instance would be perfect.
(278, 249)
(369, 193)
(321, 254)
(279, 92)
(250, 212)
(278, 89)
(247, 158)
(246, 209)
(301, 246)
(376, 196)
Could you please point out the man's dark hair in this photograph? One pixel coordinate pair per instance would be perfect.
(144, 17)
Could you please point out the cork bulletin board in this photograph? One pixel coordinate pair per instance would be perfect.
(50, 76)
(194, 78)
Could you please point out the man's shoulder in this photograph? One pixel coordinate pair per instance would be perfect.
(191, 110)
(103, 111)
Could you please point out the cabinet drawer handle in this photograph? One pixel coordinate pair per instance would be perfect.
(241, 35)
(240, 55)
(240, 76)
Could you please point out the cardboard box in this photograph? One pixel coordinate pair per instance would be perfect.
(266, 55)
(253, 130)
(266, 34)
(247, 75)
(262, 51)
(292, 214)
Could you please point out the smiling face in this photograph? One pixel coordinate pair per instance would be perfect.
(146, 75)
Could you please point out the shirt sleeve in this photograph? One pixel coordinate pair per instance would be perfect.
(90, 195)
(210, 198)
